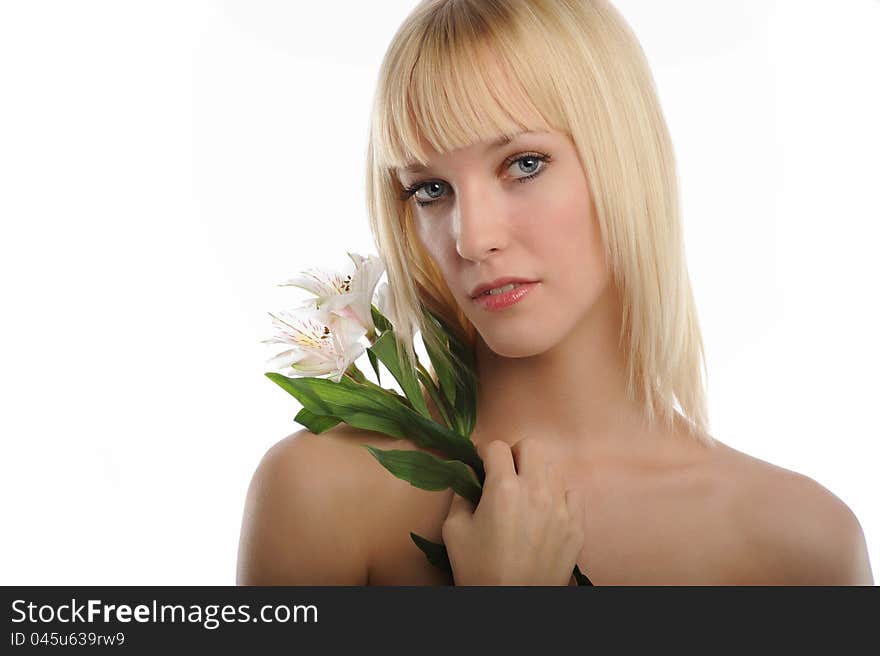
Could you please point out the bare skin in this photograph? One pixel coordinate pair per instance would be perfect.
(698, 517)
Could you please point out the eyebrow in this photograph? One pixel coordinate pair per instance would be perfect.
(501, 141)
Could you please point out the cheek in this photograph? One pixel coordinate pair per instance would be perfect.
(436, 244)
(571, 241)
(429, 237)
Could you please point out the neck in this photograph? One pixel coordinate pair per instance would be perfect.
(572, 397)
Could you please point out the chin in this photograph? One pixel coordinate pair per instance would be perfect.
(515, 343)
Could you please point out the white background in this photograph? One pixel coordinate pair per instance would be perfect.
(164, 164)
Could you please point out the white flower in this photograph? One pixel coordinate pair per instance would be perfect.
(347, 296)
(384, 301)
(322, 342)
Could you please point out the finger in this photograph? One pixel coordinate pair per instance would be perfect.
(556, 482)
(531, 461)
(459, 508)
(497, 460)
(577, 509)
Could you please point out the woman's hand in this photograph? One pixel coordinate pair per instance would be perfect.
(527, 528)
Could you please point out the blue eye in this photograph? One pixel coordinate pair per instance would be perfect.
(532, 159)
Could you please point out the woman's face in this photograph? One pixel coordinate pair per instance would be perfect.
(522, 209)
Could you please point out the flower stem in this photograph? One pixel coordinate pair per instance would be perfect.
(438, 398)
(358, 376)
(354, 373)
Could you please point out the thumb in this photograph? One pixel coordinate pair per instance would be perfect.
(460, 507)
(577, 508)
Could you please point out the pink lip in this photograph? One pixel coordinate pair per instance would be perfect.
(498, 282)
(494, 302)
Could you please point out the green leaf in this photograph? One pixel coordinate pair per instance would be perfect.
(427, 472)
(356, 374)
(370, 408)
(436, 553)
(386, 350)
(375, 362)
(465, 381)
(382, 324)
(445, 375)
(317, 424)
(436, 396)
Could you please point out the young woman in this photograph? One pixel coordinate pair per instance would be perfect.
(523, 143)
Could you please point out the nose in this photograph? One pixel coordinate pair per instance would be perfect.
(480, 222)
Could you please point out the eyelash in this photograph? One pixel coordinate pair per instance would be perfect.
(409, 191)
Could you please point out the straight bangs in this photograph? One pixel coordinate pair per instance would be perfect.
(457, 94)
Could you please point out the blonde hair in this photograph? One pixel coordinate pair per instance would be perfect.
(463, 71)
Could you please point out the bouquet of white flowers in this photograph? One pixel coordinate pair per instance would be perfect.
(323, 336)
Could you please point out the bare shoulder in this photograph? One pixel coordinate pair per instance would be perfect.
(306, 516)
(794, 530)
